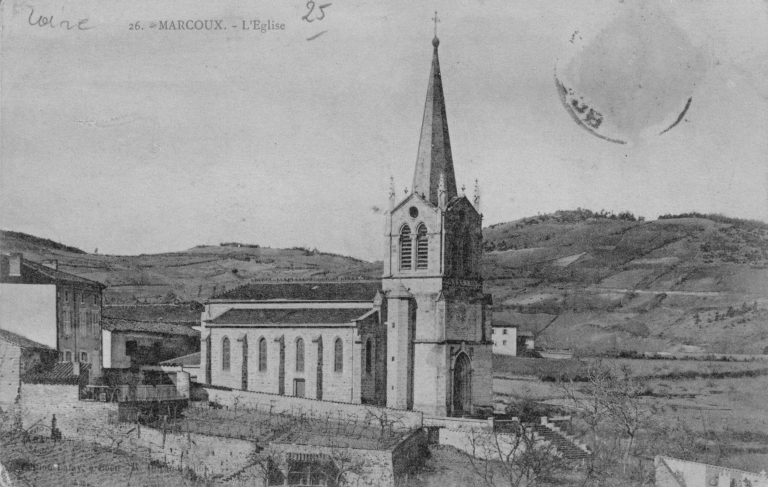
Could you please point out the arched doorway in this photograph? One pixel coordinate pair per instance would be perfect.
(462, 385)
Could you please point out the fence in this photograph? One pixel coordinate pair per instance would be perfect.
(263, 424)
(125, 393)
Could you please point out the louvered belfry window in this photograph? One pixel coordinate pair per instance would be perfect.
(422, 248)
(406, 249)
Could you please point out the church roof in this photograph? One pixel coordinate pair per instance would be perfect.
(288, 316)
(434, 155)
(305, 291)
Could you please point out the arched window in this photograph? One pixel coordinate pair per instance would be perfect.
(422, 247)
(262, 354)
(406, 249)
(225, 354)
(300, 355)
(338, 354)
(368, 356)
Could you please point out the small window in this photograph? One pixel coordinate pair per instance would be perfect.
(493, 331)
(225, 354)
(131, 347)
(300, 356)
(82, 298)
(83, 357)
(263, 354)
(505, 342)
(67, 356)
(504, 331)
(338, 352)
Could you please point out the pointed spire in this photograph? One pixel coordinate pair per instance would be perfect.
(441, 199)
(434, 155)
(477, 196)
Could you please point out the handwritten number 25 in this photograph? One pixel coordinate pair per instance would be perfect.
(311, 7)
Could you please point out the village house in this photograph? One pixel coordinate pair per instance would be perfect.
(420, 338)
(56, 309)
(20, 356)
(131, 344)
(504, 338)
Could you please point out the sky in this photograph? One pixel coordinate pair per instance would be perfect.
(142, 140)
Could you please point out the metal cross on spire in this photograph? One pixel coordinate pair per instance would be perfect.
(436, 20)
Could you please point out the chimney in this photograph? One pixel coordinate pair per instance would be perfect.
(14, 265)
(52, 263)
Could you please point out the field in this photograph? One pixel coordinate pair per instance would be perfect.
(77, 464)
(722, 407)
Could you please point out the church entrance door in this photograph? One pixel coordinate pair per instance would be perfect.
(462, 385)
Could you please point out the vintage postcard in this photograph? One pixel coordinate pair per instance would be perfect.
(359, 243)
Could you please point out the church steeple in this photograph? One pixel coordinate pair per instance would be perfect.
(434, 157)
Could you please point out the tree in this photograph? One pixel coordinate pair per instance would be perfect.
(617, 398)
(514, 459)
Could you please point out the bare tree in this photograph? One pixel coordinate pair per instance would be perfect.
(513, 459)
(612, 400)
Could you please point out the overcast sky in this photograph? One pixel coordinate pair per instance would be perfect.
(143, 141)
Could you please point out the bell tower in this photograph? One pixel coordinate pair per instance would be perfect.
(439, 342)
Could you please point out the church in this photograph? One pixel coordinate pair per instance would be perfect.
(418, 339)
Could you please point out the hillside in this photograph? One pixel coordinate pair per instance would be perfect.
(192, 275)
(615, 282)
(577, 279)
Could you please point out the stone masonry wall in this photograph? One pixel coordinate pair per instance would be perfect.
(371, 467)
(10, 356)
(95, 422)
(296, 405)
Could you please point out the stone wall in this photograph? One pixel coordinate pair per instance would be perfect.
(409, 453)
(96, 422)
(39, 402)
(10, 360)
(481, 444)
(367, 468)
(295, 405)
(671, 472)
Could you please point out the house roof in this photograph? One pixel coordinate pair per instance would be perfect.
(502, 324)
(305, 291)
(288, 316)
(118, 325)
(21, 341)
(533, 322)
(187, 313)
(35, 273)
(186, 360)
(61, 373)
